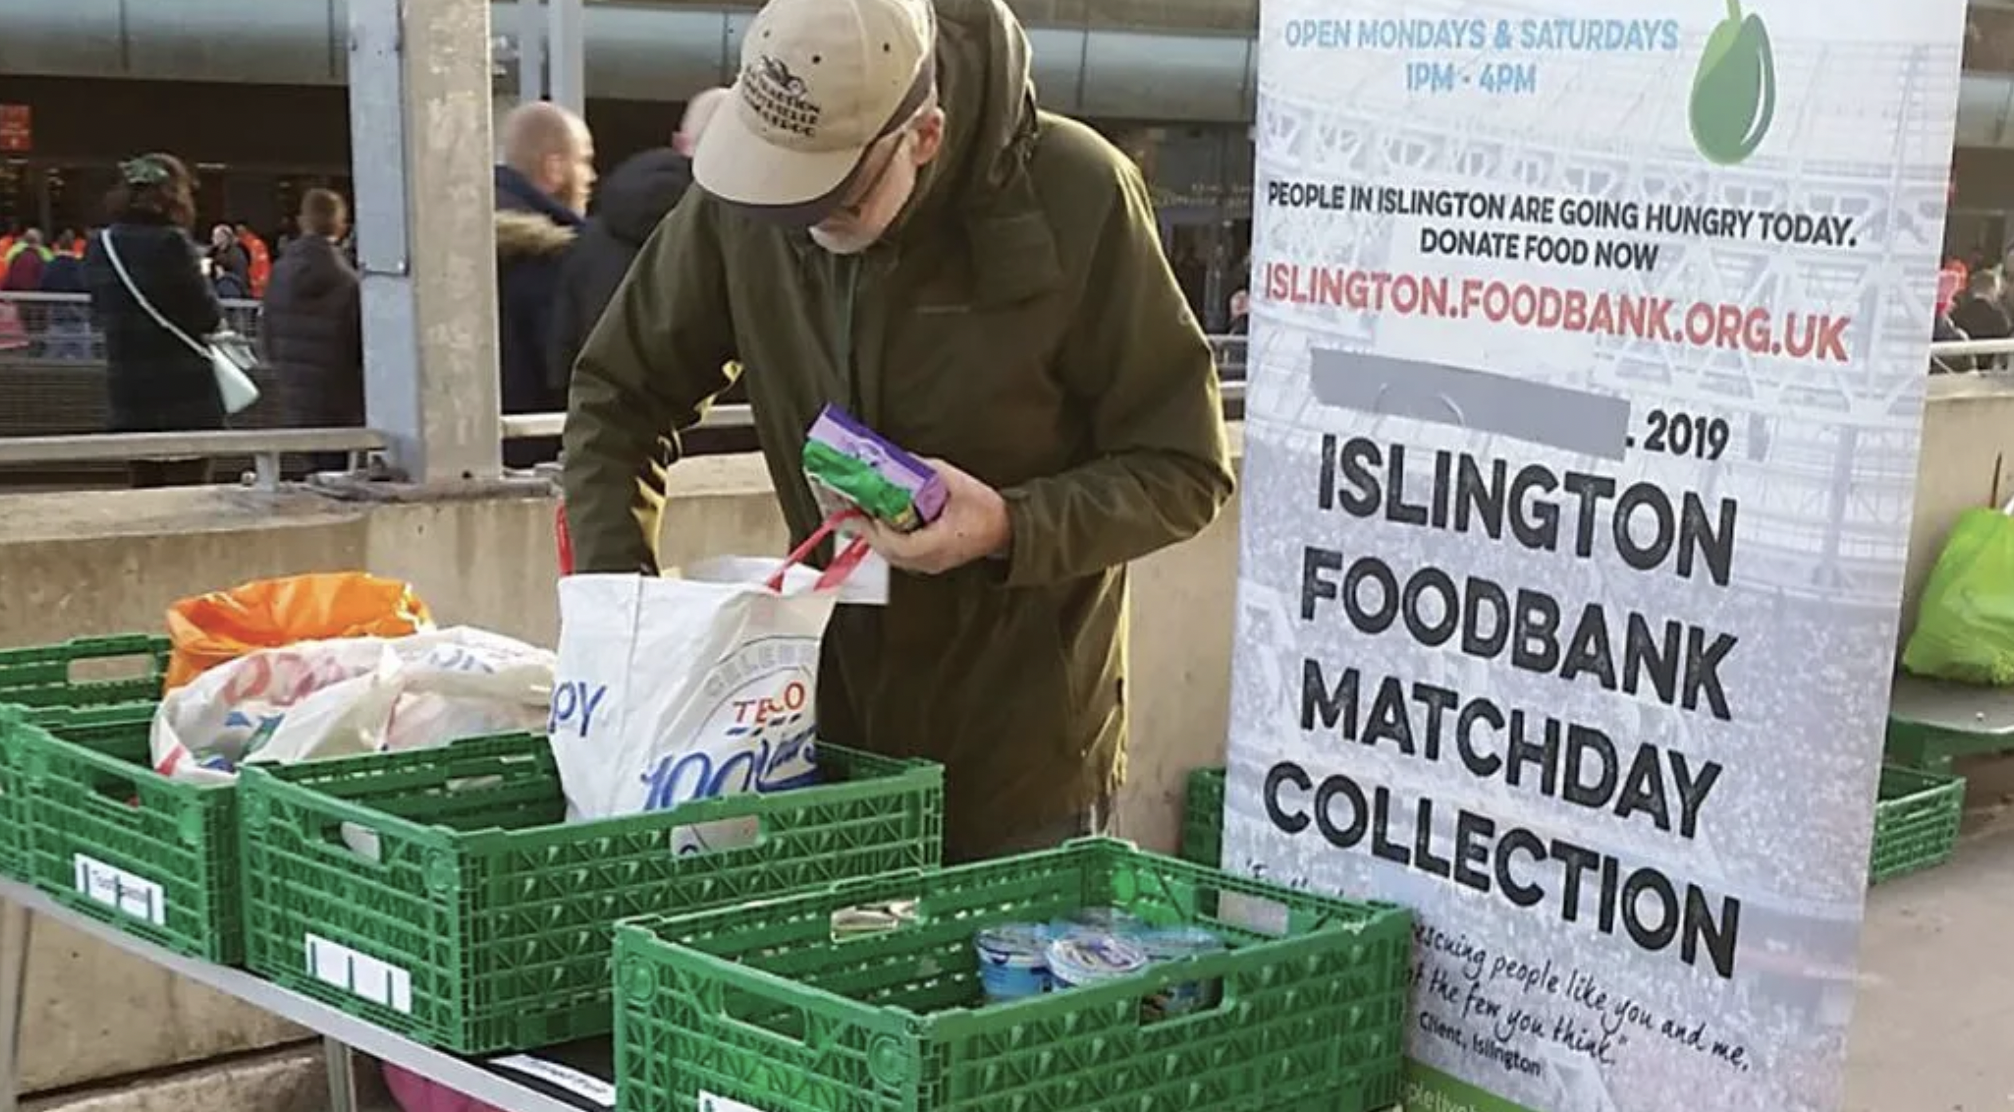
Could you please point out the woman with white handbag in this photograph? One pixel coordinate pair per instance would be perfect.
(167, 368)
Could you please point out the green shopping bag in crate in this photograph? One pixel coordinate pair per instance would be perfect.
(1965, 621)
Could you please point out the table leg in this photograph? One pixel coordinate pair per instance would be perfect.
(342, 1076)
(16, 925)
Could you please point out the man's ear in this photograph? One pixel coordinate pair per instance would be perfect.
(554, 170)
(929, 132)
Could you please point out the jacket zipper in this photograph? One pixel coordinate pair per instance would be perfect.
(849, 292)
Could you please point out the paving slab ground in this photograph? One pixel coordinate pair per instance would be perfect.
(1933, 1025)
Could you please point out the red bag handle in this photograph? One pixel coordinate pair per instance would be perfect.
(841, 567)
(564, 538)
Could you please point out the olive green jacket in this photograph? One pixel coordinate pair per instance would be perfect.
(1021, 322)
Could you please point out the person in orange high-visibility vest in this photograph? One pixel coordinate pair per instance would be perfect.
(261, 269)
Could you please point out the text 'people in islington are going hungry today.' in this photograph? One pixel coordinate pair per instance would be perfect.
(1601, 234)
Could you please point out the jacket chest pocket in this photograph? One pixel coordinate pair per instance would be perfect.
(980, 387)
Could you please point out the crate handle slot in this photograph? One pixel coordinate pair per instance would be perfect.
(735, 833)
(101, 653)
(760, 1008)
(1217, 989)
(117, 794)
(352, 842)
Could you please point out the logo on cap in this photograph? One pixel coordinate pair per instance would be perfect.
(780, 97)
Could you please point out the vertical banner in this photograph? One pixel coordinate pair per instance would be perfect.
(1580, 445)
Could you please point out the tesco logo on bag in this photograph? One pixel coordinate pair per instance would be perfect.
(766, 741)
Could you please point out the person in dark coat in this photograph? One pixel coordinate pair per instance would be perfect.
(154, 381)
(541, 189)
(69, 325)
(1981, 315)
(311, 331)
(628, 204)
(228, 261)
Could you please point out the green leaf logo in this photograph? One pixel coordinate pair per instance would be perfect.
(1734, 92)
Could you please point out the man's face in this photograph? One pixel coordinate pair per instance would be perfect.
(892, 168)
(571, 171)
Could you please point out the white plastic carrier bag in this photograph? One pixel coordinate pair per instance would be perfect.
(672, 690)
(317, 699)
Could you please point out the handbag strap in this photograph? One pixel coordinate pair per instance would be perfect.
(126, 279)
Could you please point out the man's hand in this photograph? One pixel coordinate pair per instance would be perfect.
(973, 526)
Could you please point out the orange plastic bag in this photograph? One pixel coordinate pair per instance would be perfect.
(222, 626)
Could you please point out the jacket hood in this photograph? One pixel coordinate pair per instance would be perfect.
(527, 221)
(987, 92)
(530, 234)
(632, 200)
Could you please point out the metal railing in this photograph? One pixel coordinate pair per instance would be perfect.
(265, 447)
(57, 329)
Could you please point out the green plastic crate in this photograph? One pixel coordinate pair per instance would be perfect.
(113, 839)
(1916, 821)
(1203, 818)
(78, 673)
(759, 1006)
(62, 675)
(485, 922)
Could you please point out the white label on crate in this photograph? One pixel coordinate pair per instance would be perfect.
(710, 1103)
(572, 1080)
(116, 888)
(381, 983)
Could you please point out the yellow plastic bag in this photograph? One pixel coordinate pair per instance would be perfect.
(222, 626)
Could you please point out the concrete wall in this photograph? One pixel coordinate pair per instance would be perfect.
(107, 563)
(1967, 461)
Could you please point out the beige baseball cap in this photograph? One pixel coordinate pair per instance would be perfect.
(821, 81)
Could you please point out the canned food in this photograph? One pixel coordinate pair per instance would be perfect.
(1013, 961)
(1175, 944)
(1085, 959)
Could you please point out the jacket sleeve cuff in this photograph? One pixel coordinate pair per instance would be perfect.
(1016, 566)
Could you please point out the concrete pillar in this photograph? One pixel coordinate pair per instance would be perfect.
(420, 89)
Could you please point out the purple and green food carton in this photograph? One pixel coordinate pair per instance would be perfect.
(846, 458)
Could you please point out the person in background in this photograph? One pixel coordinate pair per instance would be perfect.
(628, 206)
(258, 261)
(24, 266)
(1241, 310)
(23, 274)
(155, 382)
(230, 267)
(1982, 315)
(884, 220)
(541, 189)
(311, 330)
(69, 327)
